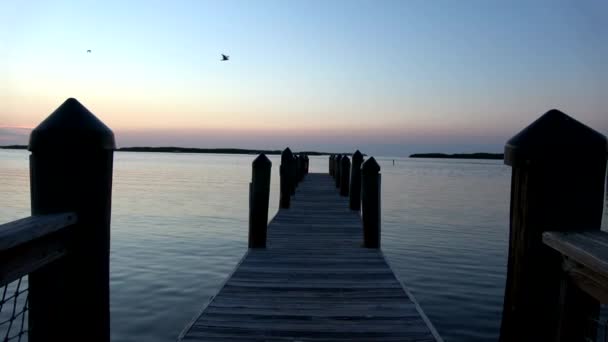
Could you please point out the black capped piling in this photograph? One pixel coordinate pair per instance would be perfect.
(558, 174)
(354, 200)
(370, 203)
(344, 175)
(259, 195)
(71, 165)
(285, 171)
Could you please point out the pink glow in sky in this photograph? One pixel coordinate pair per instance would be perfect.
(389, 77)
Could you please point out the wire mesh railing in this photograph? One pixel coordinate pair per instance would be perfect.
(596, 329)
(13, 311)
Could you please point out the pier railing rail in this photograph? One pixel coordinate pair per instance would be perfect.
(26, 245)
(54, 265)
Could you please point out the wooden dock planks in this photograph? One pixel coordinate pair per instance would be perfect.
(314, 282)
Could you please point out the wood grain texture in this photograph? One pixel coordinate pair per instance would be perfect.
(313, 282)
(585, 259)
(588, 248)
(15, 233)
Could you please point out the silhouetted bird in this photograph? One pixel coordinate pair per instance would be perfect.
(225, 58)
(88, 51)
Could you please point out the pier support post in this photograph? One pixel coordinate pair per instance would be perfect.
(354, 201)
(557, 184)
(307, 160)
(337, 170)
(331, 165)
(370, 203)
(344, 175)
(286, 173)
(71, 171)
(259, 194)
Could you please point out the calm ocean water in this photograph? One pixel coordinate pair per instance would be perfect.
(179, 225)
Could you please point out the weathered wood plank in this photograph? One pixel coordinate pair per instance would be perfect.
(30, 243)
(27, 229)
(585, 259)
(314, 281)
(586, 248)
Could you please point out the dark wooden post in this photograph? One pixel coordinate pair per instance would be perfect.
(557, 184)
(344, 175)
(354, 200)
(337, 169)
(370, 203)
(259, 194)
(331, 165)
(71, 170)
(307, 164)
(286, 178)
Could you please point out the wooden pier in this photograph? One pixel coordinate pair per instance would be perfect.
(313, 281)
(316, 272)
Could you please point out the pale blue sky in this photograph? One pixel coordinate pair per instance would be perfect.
(389, 77)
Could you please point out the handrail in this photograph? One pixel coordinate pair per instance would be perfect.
(30, 243)
(24, 230)
(586, 259)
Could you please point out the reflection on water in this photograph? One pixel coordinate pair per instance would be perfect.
(179, 225)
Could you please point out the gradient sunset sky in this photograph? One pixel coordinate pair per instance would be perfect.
(387, 77)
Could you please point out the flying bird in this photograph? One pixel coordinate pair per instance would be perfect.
(225, 58)
(88, 51)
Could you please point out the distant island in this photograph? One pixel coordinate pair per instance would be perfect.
(171, 149)
(459, 155)
(14, 147)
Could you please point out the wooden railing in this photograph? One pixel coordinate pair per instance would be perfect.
(31, 243)
(64, 247)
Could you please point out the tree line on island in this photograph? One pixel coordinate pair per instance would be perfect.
(459, 155)
(171, 149)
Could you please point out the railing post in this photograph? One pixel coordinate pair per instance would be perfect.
(557, 184)
(337, 169)
(71, 170)
(307, 160)
(354, 201)
(331, 165)
(344, 175)
(259, 194)
(370, 203)
(285, 171)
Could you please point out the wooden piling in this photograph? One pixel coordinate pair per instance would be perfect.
(557, 184)
(370, 203)
(331, 165)
(259, 194)
(344, 175)
(71, 171)
(285, 171)
(354, 200)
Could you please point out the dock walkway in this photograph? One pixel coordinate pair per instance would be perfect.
(313, 282)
